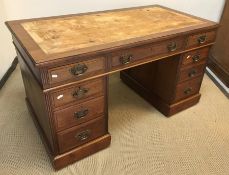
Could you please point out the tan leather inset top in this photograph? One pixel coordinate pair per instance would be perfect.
(65, 34)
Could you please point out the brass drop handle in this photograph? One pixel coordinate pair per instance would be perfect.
(83, 135)
(202, 39)
(126, 59)
(81, 114)
(188, 91)
(172, 46)
(192, 73)
(78, 70)
(80, 92)
(196, 58)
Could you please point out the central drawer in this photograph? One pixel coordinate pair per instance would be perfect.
(127, 57)
(79, 135)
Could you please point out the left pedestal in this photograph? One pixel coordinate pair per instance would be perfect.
(72, 120)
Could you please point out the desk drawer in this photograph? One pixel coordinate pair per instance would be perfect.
(190, 72)
(138, 54)
(188, 88)
(79, 92)
(81, 134)
(78, 114)
(76, 71)
(199, 39)
(195, 57)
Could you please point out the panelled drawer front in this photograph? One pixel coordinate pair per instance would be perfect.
(79, 135)
(78, 114)
(190, 72)
(195, 57)
(188, 88)
(77, 71)
(200, 39)
(79, 92)
(134, 55)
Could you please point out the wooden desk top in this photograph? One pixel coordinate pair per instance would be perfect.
(48, 39)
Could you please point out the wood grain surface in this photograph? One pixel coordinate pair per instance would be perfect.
(65, 34)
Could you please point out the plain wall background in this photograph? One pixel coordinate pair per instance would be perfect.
(7, 52)
(11, 9)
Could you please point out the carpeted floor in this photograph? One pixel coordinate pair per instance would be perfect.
(144, 142)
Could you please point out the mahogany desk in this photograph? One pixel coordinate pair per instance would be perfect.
(66, 60)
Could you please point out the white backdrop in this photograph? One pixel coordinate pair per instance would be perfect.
(11, 9)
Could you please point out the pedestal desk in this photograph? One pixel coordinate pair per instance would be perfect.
(66, 60)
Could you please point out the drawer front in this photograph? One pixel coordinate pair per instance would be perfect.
(136, 55)
(200, 39)
(81, 134)
(191, 72)
(188, 88)
(78, 93)
(76, 71)
(78, 114)
(195, 57)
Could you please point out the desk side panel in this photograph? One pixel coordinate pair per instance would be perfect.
(36, 99)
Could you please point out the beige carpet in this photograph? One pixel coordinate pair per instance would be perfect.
(144, 142)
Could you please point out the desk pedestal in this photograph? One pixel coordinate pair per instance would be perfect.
(159, 83)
